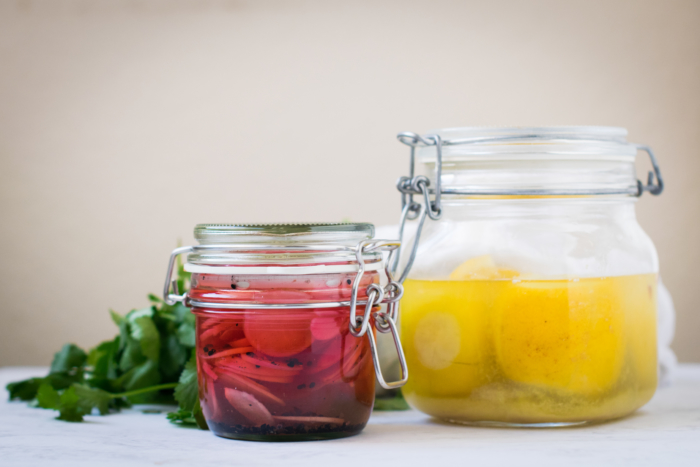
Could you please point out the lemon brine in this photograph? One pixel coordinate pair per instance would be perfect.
(530, 351)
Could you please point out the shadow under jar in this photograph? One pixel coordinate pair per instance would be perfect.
(276, 357)
(532, 298)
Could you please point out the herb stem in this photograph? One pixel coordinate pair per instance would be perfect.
(136, 392)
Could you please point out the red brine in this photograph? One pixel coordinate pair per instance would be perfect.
(271, 373)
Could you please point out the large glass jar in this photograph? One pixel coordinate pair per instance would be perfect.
(532, 297)
(277, 356)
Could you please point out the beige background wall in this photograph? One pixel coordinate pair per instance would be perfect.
(125, 123)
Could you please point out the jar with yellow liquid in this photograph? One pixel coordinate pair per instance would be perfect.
(530, 295)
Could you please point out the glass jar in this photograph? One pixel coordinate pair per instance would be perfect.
(532, 299)
(277, 356)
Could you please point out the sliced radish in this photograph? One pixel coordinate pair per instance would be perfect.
(324, 328)
(215, 409)
(271, 378)
(240, 343)
(249, 407)
(209, 371)
(279, 365)
(213, 331)
(226, 353)
(318, 420)
(241, 382)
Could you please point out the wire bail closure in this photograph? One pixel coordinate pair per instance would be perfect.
(358, 326)
(420, 185)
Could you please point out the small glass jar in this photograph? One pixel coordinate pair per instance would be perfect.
(277, 358)
(532, 299)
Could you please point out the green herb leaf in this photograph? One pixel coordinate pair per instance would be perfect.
(47, 397)
(70, 357)
(143, 329)
(116, 317)
(156, 300)
(394, 403)
(185, 332)
(92, 398)
(152, 347)
(141, 376)
(173, 356)
(103, 360)
(182, 417)
(187, 390)
(199, 416)
(69, 406)
(24, 390)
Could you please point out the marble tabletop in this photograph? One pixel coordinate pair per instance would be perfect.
(665, 432)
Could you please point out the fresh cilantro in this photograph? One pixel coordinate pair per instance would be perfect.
(397, 402)
(187, 395)
(143, 363)
(186, 392)
(70, 358)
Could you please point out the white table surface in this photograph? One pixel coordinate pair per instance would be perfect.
(666, 432)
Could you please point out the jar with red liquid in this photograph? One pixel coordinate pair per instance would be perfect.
(286, 315)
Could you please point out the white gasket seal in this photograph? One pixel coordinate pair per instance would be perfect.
(281, 270)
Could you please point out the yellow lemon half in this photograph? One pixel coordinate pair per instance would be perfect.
(444, 328)
(561, 334)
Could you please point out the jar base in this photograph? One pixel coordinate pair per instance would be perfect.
(288, 434)
(495, 424)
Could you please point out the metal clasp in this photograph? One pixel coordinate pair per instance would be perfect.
(172, 299)
(384, 322)
(653, 188)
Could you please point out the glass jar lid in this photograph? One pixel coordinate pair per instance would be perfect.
(279, 245)
(529, 143)
(522, 161)
(340, 232)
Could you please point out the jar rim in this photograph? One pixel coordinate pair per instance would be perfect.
(529, 143)
(592, 131)
(291, 232)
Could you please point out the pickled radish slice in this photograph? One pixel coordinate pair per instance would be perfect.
(222, 333)
(249, 407)
(241, 382)
(213, 331)
(209, 371)
(215, 409)
(273, 364)
(257, 375)
(279, 334)
(245, 365)
(226, 353)
(319, 420)
(240, 343)
(207, 323)
(324, 328)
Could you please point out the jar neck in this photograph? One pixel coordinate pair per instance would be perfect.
(458, 209)
(531, 161)
(537, 175)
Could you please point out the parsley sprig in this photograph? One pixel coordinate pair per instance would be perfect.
(151, 360)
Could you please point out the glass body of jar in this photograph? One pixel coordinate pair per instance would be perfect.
(533, 309)
(280, 374)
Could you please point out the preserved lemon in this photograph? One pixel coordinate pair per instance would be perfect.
(488, 347)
